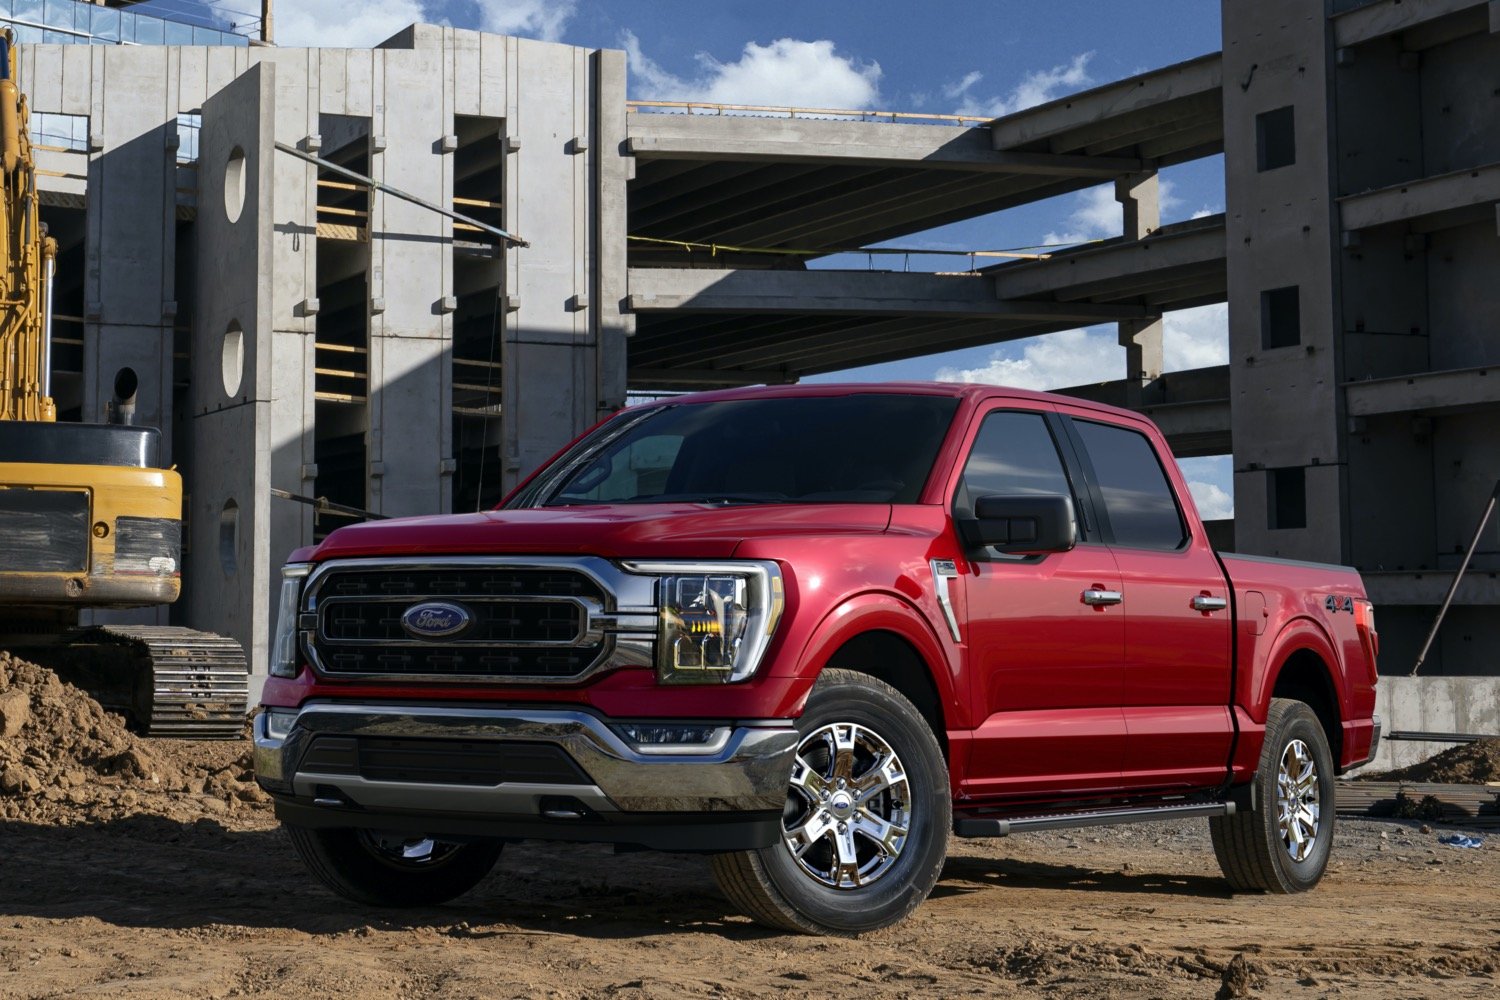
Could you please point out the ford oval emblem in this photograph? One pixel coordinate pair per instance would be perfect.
(436, 619)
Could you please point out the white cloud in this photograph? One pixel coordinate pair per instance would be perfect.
(1037, 87)
(785, 73)
(344, 23)
(1213, 501)
(364, 23)
(1052, 361)
(1196, 338)
(544, 19)
(1191, 338)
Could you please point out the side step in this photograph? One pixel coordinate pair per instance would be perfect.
(974, 826)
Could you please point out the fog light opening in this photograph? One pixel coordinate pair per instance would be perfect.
(667, 738)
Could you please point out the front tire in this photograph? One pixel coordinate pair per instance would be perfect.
(865, 827)
(393, 869)
(1283, 844)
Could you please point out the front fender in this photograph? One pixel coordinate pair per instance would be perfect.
(885, 612)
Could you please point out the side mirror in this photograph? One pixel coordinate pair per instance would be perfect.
(1022, 525)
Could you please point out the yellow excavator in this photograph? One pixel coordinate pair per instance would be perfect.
(89, 520)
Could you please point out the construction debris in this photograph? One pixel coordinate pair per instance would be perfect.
(65, 760)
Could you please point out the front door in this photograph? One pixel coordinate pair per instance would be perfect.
(1045, 633)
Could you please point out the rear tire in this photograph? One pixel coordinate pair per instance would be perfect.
(391, 869)
(865, 828)
(1282, 845)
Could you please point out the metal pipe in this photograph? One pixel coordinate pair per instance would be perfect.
(1484, 520)
(398, 193)
(50, 265)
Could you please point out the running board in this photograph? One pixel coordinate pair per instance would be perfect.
(980, 827)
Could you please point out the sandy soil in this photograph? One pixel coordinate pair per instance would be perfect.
(162, 875)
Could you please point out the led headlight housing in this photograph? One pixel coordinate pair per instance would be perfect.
(716, 619)
(284, 659)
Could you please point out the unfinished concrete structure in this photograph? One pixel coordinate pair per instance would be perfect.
(290, 331)
(360, 348)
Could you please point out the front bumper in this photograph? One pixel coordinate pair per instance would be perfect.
(582, 779)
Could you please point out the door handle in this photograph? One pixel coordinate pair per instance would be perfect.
(1203, 602)
(1102, 598)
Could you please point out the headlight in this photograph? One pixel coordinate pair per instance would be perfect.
(716, 618)
(284, 659)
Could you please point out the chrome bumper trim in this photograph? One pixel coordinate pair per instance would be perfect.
(748, 772)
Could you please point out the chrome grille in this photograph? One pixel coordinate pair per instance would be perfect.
(529, 622)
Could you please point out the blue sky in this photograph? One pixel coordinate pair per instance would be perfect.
(985, 57)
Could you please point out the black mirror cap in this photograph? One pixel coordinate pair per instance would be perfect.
(1028, 524)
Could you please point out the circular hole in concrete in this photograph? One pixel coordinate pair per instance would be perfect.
(229, 536)
(234, 184)
(232, 358)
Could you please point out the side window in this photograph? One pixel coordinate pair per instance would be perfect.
(1137, 498)
(1013, 454)
(642, 468)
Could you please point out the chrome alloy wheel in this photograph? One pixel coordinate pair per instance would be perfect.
(848, 809)
(1298, 804)
(403, 851)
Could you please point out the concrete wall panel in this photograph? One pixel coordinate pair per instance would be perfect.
(1464, 296)
(404, 406)
(1378, 104)
(227, 576)
(1433, 705)
(1460, 104)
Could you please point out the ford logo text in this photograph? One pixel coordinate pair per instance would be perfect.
(436, 619)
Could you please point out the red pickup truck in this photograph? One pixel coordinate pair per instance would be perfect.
(813, 631)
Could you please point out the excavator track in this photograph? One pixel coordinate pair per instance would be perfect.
(191, 685)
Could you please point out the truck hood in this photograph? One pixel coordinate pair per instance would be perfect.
(626, 531)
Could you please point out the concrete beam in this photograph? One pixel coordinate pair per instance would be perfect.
(853, 144)
(871, 293)
(1120, 100)
(1427, 589)
(1461, 189)
(1432, 392)
(705, 378)
(1185, 245)
(1388, 17)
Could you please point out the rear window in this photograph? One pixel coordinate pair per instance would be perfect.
(866, 448)
(1138, 500)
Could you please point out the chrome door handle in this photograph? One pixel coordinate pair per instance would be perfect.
(1203, 602)
(1102, 598)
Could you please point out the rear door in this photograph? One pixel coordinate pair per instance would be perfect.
(1176, 607)
(1048, 666)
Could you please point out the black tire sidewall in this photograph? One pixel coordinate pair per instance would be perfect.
(347, 864)
(907, 882)
(1299, 724)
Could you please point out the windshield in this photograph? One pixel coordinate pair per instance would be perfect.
(869, 448)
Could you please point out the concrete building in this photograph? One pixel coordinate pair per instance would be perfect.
(294, 331)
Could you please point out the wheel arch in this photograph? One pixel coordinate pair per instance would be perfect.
(1304, 672)
(884, 637)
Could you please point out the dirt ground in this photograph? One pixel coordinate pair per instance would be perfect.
(161, 874)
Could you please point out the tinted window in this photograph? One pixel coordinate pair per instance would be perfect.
(1137, 499)
(866, 448)
(1013, 454)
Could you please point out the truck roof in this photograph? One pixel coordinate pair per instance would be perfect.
(963, 390)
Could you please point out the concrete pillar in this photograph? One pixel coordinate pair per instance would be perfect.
(1139, 196)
